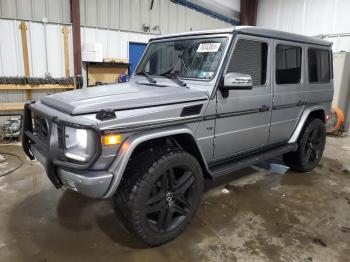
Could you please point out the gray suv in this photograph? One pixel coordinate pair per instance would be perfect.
(199, 105)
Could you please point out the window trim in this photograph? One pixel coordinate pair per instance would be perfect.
(254, 39)
(292, 44)
(330, 59)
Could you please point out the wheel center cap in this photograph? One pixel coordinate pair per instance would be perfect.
(169, 197)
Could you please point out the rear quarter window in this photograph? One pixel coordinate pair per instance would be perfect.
(319, 65)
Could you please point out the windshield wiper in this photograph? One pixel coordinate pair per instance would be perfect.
(174, 77)
(149, 78)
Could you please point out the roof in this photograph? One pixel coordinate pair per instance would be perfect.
(257, 31)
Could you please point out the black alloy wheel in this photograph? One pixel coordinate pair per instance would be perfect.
(314, 145)
(311, 145)
(159, 194)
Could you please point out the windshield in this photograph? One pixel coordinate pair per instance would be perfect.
(186, 58)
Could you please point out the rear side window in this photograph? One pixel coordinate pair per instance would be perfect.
(250, 57)
(319, 65)
(288, 64)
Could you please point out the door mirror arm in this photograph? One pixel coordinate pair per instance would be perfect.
(224, 91)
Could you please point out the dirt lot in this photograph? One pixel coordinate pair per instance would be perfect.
(256, 214)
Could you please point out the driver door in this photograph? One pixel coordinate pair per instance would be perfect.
(243, 117)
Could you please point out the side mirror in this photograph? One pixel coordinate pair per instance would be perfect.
(237, 81)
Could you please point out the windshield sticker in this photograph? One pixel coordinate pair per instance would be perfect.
(208, 47)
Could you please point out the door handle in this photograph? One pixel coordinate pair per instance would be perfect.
(264, 108)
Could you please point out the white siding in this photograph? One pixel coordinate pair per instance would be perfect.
(114, 42)
(11, 49)
(56, 11)
(308, 17)
(132, 14)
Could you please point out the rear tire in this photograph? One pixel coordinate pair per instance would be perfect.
(311, 145)
(159, 194)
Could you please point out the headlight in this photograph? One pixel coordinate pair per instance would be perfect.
(79, 144)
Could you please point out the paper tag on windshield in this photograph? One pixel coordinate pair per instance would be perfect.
(208, 47)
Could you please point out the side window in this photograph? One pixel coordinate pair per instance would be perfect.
(319, 65)
(288, 64)
(250, 57)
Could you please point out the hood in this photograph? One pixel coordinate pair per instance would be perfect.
(120, 97)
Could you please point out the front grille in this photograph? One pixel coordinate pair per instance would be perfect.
(41, 128)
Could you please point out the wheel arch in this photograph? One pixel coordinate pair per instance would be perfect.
(315, 112)
(182, 136)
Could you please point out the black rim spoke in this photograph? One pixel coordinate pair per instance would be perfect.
(183, 201)
(155, 208)
(314, 154)
(172, 178)
(170, 199)
(161, 218)
(165, 182)
(315, 134)
(180, 210)
(184, 184)
(308, 154)
(168, 218)
(155, 199)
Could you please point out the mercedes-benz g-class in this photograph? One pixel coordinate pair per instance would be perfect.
(199, 105)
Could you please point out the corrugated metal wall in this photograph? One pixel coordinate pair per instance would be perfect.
(163, 16)
(127, 15)
(115, 43)
(11, 56)
(308, 17)
(56, 11)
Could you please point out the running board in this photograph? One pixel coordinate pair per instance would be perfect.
(238, 163)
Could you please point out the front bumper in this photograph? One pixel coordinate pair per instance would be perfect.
(89, 183)
(78, 178)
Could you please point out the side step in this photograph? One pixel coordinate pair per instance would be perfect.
(238, 163)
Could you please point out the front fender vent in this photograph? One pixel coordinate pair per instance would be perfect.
(191, 110)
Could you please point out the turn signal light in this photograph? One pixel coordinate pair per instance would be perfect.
(109, 140)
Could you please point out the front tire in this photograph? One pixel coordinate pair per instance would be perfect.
(311, 145)
(159, 194)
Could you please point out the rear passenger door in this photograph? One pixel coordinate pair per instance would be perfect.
(243, 117)
(288, 89)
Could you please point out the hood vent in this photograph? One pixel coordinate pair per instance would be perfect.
(191, 110)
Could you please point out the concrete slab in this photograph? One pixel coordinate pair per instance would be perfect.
(252, 215)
